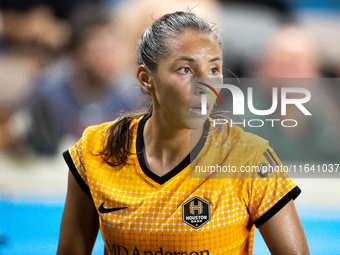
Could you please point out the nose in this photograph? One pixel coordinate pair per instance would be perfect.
(200, 74)
(199, 77)
(196, 87)
(198, 90)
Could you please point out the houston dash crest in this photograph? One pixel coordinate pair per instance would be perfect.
(196, 212)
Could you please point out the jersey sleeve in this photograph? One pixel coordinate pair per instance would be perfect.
(76, 163)
(272, 190)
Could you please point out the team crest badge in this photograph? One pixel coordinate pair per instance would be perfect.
(196, 212)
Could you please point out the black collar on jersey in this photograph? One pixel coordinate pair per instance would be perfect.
(192, 155)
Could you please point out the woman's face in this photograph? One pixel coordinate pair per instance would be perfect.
(191, 55)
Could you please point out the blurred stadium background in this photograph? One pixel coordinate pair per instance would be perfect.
(48, 48)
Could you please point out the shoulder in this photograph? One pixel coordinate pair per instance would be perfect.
(93, 136)
(97, 130)
(236, 137)
(248, 146)
(242, 137)
(233, 146)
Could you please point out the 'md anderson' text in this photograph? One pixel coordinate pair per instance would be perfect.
(121, 250)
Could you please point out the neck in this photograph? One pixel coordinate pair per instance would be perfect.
(166, 145)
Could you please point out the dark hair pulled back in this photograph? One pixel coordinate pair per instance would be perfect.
(152, 44)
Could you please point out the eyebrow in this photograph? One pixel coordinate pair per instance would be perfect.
(215, 59)
(189, 59)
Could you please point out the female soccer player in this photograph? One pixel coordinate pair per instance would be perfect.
(131, 177)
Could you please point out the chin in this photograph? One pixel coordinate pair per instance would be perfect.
(197, 122)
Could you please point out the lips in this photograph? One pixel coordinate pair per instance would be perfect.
(197, 109)
(199, 106)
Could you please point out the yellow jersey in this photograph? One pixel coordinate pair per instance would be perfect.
(180, 213)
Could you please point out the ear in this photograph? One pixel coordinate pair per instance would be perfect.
(145, 79)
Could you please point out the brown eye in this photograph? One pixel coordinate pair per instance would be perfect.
(214, 70)
(184, 70)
